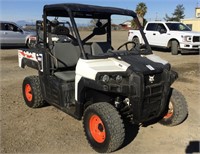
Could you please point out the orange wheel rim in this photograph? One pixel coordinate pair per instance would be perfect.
(28, 92)
(170, 111)
(97, 129)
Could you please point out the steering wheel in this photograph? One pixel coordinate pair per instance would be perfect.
(126, 45)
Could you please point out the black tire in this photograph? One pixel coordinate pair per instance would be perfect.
(177, 110)
(32, 92)
(174, 48)
(136, 40)
(28, 45)
(104, 128)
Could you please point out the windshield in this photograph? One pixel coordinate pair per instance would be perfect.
(95, 36)
(177, 27)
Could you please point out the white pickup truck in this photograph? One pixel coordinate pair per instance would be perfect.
(173, 35)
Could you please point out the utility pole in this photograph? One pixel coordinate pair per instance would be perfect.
(156, 16)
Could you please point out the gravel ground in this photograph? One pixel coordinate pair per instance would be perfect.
(48, 130)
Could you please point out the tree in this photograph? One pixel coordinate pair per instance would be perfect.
(177, 15)
(141, 10)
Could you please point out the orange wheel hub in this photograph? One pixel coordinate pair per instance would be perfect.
(28, 92)
(97, 129)
(170, 111)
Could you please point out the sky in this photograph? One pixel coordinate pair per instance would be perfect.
(31, 10)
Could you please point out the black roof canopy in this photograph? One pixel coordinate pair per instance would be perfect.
(84, 11)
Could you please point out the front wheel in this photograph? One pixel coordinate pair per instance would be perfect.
(103, 127)
(177, 110)
(174, 48)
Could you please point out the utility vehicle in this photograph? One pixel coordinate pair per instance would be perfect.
(92, 81)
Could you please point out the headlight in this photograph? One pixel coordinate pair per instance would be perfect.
(105, 78)
(112, 78)
(118, 78)
(187, 38)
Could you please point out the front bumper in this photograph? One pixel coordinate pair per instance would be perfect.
(192, 46)
(147, 94)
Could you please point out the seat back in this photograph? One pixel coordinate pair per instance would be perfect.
(67, 54)
(100, 47)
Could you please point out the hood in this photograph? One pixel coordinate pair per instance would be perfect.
(146, 64)
(30, 32)
(186, 33)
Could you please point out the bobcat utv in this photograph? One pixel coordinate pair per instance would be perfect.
(92, 81)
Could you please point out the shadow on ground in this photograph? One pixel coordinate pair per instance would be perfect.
(193, 147)
(131, 131)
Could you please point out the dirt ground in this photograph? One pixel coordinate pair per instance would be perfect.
(48, 130)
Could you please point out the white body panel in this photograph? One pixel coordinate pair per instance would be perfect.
(97, 65)
(156, 59)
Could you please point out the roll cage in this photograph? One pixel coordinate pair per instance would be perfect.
(73, 10)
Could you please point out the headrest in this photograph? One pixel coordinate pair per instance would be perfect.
(99, 31)
(99, 24)
(60, 30)
(54, 23)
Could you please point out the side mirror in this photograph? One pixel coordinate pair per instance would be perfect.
(162, 31)
(19, 30)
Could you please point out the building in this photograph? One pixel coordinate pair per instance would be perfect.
(126, 25)
(193, 23)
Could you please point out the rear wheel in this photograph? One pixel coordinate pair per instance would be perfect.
(103, 127)
(31, 42)
(32, 92)
(174, 48)
(28, 45)
(177, 110)
(136, 41)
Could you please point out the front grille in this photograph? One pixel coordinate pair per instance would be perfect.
(196, 38)
(148, 99)
(153, 90)
(152, 95)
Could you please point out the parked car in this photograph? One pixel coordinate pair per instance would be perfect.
(173, 35)
(12, 35)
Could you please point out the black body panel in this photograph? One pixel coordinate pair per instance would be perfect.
(60, 94)
(30, 63)
(139, 64)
